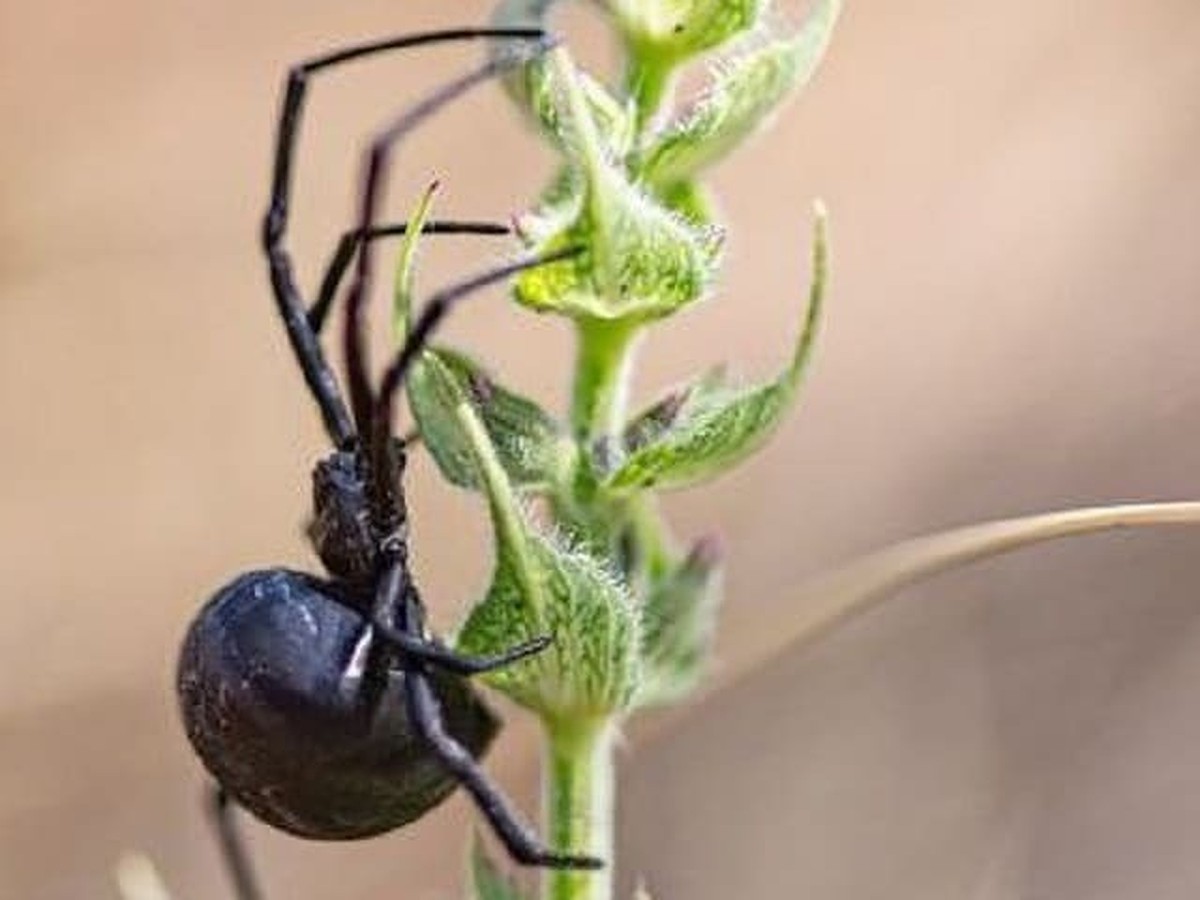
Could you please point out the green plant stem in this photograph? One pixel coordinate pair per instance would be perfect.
(648, 82)
(578, 804)
(601, 377)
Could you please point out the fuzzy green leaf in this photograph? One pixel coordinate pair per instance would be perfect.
(678, 29)
(541, 586)
(689, 199)
(530, 446)
(640, 261)
(679, 622)
(656, 421)
(744, 94)
(718, 426)
(592, 667)
(487, 881)
(556, 209)
(537, 90)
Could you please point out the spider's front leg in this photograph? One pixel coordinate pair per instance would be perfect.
(426, 711)
(351, 241)
(288, 298)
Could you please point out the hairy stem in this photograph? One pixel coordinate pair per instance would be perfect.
(648, 82)
(577, 800)
(602, 371)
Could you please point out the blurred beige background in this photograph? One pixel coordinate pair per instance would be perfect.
(1014, 190)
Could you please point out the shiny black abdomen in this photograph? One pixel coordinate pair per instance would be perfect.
(290, 704)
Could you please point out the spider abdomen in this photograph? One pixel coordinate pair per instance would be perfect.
(293, 707)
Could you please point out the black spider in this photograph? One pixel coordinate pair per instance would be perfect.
(322, 705)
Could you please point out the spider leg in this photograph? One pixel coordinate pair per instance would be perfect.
(395, 600)
(350, 241)
(377, 163)
(524, 847)
(233, 848)
(434, 311)
(289, 301)
(395, 596)
(410, 438)
(428, 651)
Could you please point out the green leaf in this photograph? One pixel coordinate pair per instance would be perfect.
(689, 199)
(487, 881)
(653, 423)
(715, 426)
(557, 208)
(640, 261)
(744, 94)
(592, 667)
(541, 585)
(679, 623)
(678, 29)
(536, 89)
(531, 447)
(402, 294)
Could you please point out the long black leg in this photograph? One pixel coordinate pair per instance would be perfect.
(233, 848)
(374, 177)
(350, 241)
(390, 598)
(317, 373)
(456, 663)
(431, 314)
(435, 310)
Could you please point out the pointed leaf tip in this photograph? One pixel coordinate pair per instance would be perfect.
(719, 425)
(746, 92)
(531, 446)
(643, 261)
(679, 618)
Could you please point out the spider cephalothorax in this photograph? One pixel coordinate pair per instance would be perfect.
(348, 514)
(340, 529)
(323, 705)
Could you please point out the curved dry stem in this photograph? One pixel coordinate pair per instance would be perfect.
(832, 598)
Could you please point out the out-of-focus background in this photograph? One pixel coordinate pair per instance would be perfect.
(1014, 189)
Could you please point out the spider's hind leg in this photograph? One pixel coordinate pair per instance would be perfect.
(233, 847)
